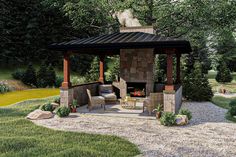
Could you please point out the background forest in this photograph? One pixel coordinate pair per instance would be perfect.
(27, 27)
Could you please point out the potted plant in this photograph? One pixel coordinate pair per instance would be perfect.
(73, 106)
(158, 111)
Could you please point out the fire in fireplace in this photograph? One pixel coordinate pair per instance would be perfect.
(136, 89)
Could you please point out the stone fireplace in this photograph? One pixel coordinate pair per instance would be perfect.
(136, 89)
(136, 66)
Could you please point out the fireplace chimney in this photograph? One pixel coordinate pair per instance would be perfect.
(144, 29)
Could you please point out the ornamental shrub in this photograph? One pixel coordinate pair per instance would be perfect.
(196, 86)
(4, 87)
(232, 103)
(186, 112)
(58, 81)
(50, 76)
(47, 107)
(63, 111)
(57, 100)
(42, 80)
(29, 77)
(232, 111)
(167, 119)
(18, 74)
(223, 74)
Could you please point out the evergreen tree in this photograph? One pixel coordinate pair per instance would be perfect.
(115, 70)
(160, 68)
(41, 76)
(196, 86)
(93, 74)
(50, 76)
(29, 76)
(223, 74)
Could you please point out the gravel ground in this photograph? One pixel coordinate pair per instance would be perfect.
(208, 134)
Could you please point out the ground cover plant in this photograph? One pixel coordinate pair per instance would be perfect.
(20, 137)
(16, 96)
(224, 103)
(167, 119)
(186, 112)
(63, 111)
(47, 107)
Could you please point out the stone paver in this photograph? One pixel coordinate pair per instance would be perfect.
(208, 133)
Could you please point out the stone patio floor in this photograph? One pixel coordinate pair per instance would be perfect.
(208, 134)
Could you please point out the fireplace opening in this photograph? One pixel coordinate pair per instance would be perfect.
(136, 89)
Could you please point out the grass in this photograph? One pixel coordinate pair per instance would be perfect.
(16, 96)
(231, 87)
(20, 137)
(224, 103)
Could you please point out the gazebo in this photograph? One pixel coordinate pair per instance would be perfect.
(137, 47)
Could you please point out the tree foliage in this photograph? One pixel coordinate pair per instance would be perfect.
(223, 74)
(28, 27)
(93, 73)
(29, 77)
(196, 86)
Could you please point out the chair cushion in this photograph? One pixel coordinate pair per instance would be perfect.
(110, 96)
(106, 91)
(98, 100)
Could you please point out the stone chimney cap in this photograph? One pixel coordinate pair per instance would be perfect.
(144, 29)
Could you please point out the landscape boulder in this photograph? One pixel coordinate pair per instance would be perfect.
(55, 105)
(181, 120)
(39, 114)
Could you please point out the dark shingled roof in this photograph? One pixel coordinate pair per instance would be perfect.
(116, 41)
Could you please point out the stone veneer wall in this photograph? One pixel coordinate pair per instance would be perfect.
(78, 92)
(136, 65)
(173, 100)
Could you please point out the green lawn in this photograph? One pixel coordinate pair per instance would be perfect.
(224, 103)
(20, 137)
(216, 86)
(17, 96)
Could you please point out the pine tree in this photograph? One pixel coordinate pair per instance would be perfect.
(223, 75)
(196, 86)
(41, 76)
(115, 70)
(29, 76)
(50, 76)
(93, 74)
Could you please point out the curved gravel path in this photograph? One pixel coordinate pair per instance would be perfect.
(208, 134)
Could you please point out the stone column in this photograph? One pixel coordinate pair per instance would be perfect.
(101, 68)
(178, 68)
(169, 86)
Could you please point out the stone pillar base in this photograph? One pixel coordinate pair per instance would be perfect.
(66, 96)
(172, 100)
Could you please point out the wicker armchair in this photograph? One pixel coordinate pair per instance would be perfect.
(106, 91)
(95, 100)
(151, 102)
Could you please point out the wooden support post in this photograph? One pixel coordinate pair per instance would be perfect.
(101, 68)
(169, 86)
(66, 83)
(178, 68)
